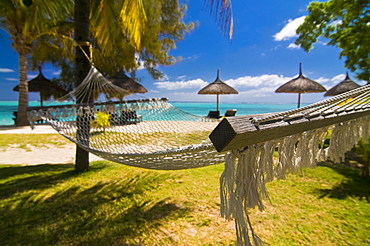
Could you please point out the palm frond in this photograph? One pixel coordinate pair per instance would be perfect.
(124, 18)
(222, 12)
(133, 19)
(42, 15)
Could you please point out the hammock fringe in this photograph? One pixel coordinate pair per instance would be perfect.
(151, 133)
(247, 170)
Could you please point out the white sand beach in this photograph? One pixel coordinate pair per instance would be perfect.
(39, 129)
(64, 154)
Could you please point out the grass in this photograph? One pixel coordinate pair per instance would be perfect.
(328, 205)
(36, 140)
(154, 137)
(113, 204)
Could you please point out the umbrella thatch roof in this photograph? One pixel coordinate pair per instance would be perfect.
(218, 87)
(301, 84)
(346, 85)
(43, 85)
(127, 83)
(46, 87)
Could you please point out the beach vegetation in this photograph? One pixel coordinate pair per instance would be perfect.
(162, 25)
(345, 24)
(114, 204)
(363, 149)
(117, 30)
(26, 23)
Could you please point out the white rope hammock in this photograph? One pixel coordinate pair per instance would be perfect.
(146, 133)
(151, 133)
(249, 167)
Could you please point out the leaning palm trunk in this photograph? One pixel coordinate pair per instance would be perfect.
(26, 22)
(23, 91)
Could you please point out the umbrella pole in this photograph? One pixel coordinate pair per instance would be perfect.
(217, 101)
(41, 102)
(299, 100)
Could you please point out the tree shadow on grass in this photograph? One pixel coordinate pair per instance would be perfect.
(354, 186)
(24, 178)
(49, 210)
(7, 171)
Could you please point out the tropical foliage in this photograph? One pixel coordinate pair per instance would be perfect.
(363, 148)
(118, 47)
(28, 23)
(346, 24)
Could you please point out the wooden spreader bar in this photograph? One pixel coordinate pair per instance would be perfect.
(241, 131)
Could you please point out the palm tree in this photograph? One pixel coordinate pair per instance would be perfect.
(26, 21)
(132, 18)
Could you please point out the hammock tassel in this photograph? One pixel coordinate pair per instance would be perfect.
(247, 170)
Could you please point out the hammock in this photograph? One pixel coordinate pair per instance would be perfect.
(297, 137)
(151, 133)
(146, 133)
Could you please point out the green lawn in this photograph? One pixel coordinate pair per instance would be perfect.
(36, 140)
(113, 204)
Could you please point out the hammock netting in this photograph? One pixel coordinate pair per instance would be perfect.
(249, 168)
(147, 133)
(153, 134)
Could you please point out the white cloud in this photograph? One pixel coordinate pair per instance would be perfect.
(322, 80)
(182, 77)
(338, 78)
(57, 73)
(141, 66)
(337, 22)
(330, 82)
(289, 30)
(164, 77)
(31, 76)
(261, 82)
(247, 86)
(193, 57)
(12, 79)
(6, 70)
(293, 46)
(178, 85)
(251, 89)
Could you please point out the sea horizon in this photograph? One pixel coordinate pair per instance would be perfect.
(199, 108)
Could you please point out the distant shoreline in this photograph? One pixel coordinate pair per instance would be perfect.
(171, 101)
(196, 108)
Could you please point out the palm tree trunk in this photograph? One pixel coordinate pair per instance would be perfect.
(82, 34)
(22, 117)
(366, 170)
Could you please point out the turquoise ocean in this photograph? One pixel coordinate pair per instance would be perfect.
(197, 108)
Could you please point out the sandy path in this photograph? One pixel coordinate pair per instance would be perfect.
(41, 129)
(66, 154)
(34, 156)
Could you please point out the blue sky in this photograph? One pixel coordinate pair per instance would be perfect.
(260, 57)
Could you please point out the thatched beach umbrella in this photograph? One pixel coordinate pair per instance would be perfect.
(300, 85)
(217, 88)
(346, 85)
(123, 81)
(46, 87)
